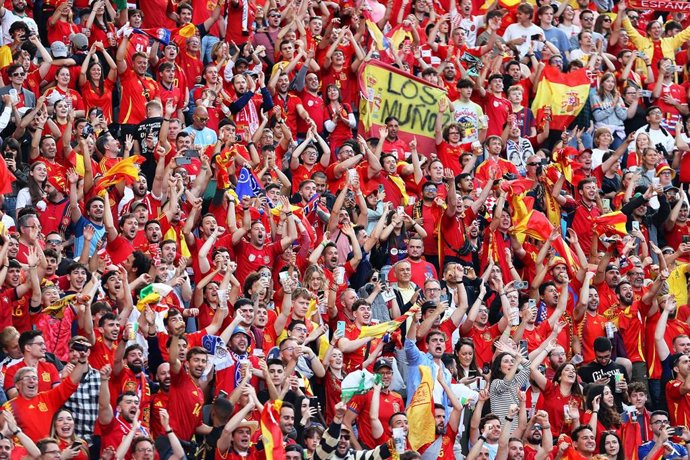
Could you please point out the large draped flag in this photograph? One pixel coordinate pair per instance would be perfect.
(6, 177)
(565, 93)
(611, 224)
(125, 170)
(57, 309)
(379, 330)
(386, 91)
(421, 411)
(631, 439)
(270, 429)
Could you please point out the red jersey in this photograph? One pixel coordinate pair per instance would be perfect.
(184, 405)
(93, 97)
(101, 354)
(591, 327)
(450, 156)
(553, 403)
(397, 147)
(137, 91)
(314, 105)
(129, 381)
(48, 375)
(678, 404)
(354, 360)
(629, 323)
(483, 339)
(537, 336)
(7, 297)
(302, 173)
(253, 258)
(389, 404)
(583, 224)
(499, 108)
(34, 416)
(114, 432)
(345, 80)
(288, 104)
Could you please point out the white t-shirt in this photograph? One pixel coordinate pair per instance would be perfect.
(514, 31)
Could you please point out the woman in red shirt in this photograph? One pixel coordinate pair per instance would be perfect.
(340, 120)
(62, 429)
(61, 24)
(75, 104)
(101, 28)
(96, 90)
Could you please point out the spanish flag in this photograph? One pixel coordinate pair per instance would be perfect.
(379, 330)
(125, 170)
(270, 430)
(566, 94)
(421, 411)
(631, 439)
(611, 224)
(382, 43)
(57, 309)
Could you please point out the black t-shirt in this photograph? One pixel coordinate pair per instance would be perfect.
(594, 371)
(148, 126)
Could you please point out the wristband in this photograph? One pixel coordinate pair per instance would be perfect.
(509, 419)
(16, 432)
(546, 427)
(481, 438)
(168, 431)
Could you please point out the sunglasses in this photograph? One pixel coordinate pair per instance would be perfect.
(56, 242)
(202, 118)
(18, 74)
(533, 164)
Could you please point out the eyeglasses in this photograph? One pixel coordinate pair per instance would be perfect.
(299, 329)
(606, 19)
(144, 449)
(534, 163)
(19, 74)
(29, 378)
(588, 18)
(660, 422)
(202, 118)
(633, 17)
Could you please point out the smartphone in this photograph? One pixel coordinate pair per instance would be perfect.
(191, 153)
(677, 430)
(606, 203)
(523, 347)
(473, 373)
(679, 68)
(531, 303)
(640, 54)
(521, 285)
(79, 445)
(340, 329)
(182, 161)
(314, 402)
(352, 175)
(486, 368)
(645, 93)
(222, 394)
(632, 169)
(542, 369)
(686, 239)
(635, 225)
(535, 37)
(401, 210)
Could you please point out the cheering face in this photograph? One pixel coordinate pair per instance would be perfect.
(363, 314)
(5, 449)
(163, 375)
(135, 360)
(239, 343)
(240, 438)
(27, 386)
(144, 451)
(586, 442)
(197, 365)
(258, 234)
(516, 451)
(287, 420)
(64, 424)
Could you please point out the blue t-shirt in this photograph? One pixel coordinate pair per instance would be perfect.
(79, 236)
(678, 450)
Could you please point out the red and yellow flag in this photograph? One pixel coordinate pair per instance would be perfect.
(421, 411)
(566, 94)
(125, 170)
(379, 330)
(611, 224)
(270, 429)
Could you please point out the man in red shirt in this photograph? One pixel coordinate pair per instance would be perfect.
(127, 410)
(477, 327)
(669, 96)
(584, 211)
(359, 406)
(33, 346)
(421, 269)
(185, 398)
(137, 88)
(495, 104)
(33, 409)
(290, 105)
(356, 350)
(257, 253)
(392, 144)
(678, 392)
(129, 376)
(313, 104)
(494, 165)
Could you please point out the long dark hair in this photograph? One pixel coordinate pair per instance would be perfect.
(456, 353)
(602, 444)
(496, 372)
(98, 85)
(35, 187)
(608, 416)
(576, 389)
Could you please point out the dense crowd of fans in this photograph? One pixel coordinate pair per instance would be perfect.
(199, 238)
